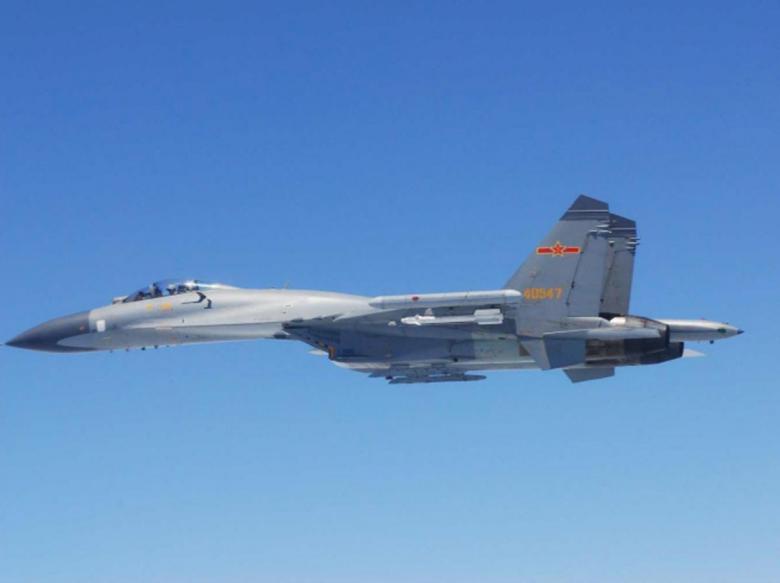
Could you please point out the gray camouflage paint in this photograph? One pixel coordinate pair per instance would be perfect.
(565, 307)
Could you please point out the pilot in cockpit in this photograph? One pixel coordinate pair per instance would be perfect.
(168, 287)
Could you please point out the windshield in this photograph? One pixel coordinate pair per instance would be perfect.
(171, 287)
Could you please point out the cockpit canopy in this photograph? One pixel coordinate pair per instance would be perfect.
(169, 287)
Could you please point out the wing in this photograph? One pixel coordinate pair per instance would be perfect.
(382, 345)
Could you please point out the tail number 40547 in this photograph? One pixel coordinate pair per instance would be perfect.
(542, 293)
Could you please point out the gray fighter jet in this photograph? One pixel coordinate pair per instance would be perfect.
(565, 308)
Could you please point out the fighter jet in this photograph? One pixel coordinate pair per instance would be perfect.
(566, 307)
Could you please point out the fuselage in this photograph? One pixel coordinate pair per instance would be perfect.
(565, 307)
(224, 313)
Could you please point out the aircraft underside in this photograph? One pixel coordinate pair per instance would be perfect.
(410, 360)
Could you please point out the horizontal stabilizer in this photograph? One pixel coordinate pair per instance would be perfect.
(555, 353)
(580, 375)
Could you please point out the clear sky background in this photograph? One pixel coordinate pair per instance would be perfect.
(385, 149)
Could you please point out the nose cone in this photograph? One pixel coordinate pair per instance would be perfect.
(48, 336)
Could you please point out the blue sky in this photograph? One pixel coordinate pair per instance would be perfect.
(378, 149)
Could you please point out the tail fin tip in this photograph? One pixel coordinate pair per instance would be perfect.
(586, 203)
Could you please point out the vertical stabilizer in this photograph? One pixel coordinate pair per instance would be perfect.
(565, 274)
(620, 267)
